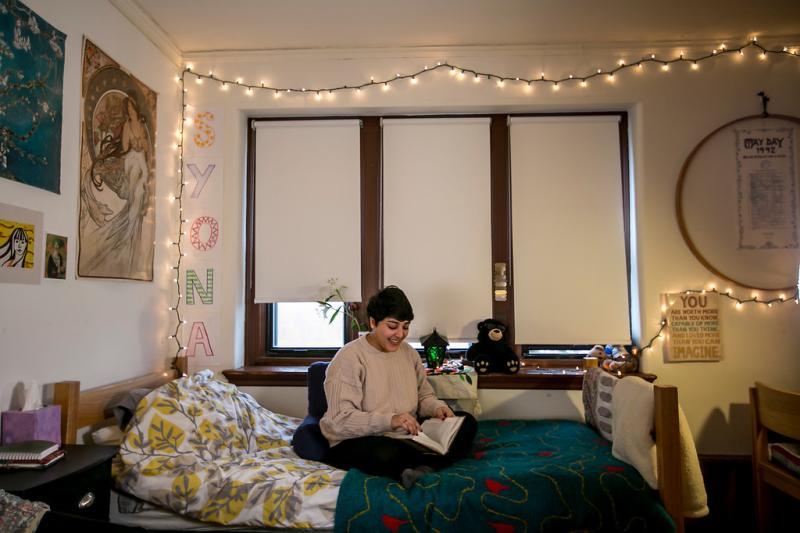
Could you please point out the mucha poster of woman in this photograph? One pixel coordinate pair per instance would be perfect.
(117, 183)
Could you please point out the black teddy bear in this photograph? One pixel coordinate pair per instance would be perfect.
(491, 353)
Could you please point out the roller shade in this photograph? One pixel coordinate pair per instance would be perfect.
(307, 209)
(437, 221)
(569, 266)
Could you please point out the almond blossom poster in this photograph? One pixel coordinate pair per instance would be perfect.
(31, 93)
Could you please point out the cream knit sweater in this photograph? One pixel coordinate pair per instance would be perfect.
(366, 387)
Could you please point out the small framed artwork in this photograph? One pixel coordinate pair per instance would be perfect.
(20, 245)
(55, 257)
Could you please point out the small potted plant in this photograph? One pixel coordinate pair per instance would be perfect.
(334, 303)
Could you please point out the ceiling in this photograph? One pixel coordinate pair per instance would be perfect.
(198, 26)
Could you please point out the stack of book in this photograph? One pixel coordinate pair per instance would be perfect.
(30, 454)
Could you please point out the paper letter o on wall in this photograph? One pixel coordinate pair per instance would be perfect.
(198, 223)
(737, 202)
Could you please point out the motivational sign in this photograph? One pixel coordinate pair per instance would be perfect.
(692, 332)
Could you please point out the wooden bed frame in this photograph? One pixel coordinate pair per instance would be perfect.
(92, 407)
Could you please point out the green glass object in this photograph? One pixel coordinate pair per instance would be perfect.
(434, 356)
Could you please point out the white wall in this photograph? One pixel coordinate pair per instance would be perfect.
(93, 330)
(670, 113)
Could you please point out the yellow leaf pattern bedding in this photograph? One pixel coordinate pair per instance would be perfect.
(206, 450)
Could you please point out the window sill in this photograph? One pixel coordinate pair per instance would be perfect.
(295, 376)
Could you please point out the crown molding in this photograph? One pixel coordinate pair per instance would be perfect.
(134, 13)
(445, 53)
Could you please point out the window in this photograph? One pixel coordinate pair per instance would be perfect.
(539, 277)
(302, 325)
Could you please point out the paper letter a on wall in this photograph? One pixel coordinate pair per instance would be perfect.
(201, 178)
(199, 337)
(193, 284)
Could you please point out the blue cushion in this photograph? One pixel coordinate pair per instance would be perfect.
(308, 441)
(317, 402)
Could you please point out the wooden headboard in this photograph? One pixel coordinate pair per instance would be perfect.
(93, 406)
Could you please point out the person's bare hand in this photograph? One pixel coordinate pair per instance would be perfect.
(407, 422)
(443, 412)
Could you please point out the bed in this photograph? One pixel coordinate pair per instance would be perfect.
(523, 475)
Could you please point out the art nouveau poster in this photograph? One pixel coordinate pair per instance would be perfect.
(693, 331)
(117, 181)
(31, 94)
(767, 183)
(20, 245)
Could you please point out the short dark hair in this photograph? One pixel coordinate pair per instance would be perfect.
(390, 302)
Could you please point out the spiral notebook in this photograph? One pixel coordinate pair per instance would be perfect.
(29, 450)
(32, 463)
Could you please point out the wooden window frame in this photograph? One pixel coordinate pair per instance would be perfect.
(256, 331)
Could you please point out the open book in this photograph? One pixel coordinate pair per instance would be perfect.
(438, 435)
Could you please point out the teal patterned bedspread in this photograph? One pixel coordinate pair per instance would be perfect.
(523, 475)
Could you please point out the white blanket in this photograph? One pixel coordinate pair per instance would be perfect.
(633, 406)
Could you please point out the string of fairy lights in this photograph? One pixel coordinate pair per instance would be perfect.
(176, 269)
(728, 293)
(459, 73)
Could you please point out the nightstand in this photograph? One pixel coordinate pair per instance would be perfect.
(79, 484)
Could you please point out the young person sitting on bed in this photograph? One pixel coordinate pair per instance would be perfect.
(376, 387)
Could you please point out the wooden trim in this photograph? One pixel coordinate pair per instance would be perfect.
(296, 376)
(371, 214)
(500, 190)
(255, 315)
(626, 203)
(90, 407)
(65, 394)
(670, 485)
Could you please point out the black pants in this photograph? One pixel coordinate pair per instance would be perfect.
(388, 457)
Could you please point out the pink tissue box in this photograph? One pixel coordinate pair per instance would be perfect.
(39, 424)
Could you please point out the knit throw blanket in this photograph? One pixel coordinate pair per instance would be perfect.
(522, 476)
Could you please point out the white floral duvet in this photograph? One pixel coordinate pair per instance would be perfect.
(204, 449)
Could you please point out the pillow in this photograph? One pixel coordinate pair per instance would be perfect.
(123, 410)
(108, 436)
(598, 393)
(632, 426)
(317, 402)
(786, 454)
(308, 441)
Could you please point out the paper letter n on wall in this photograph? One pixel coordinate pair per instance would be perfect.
(198, 337)
(193, 284)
